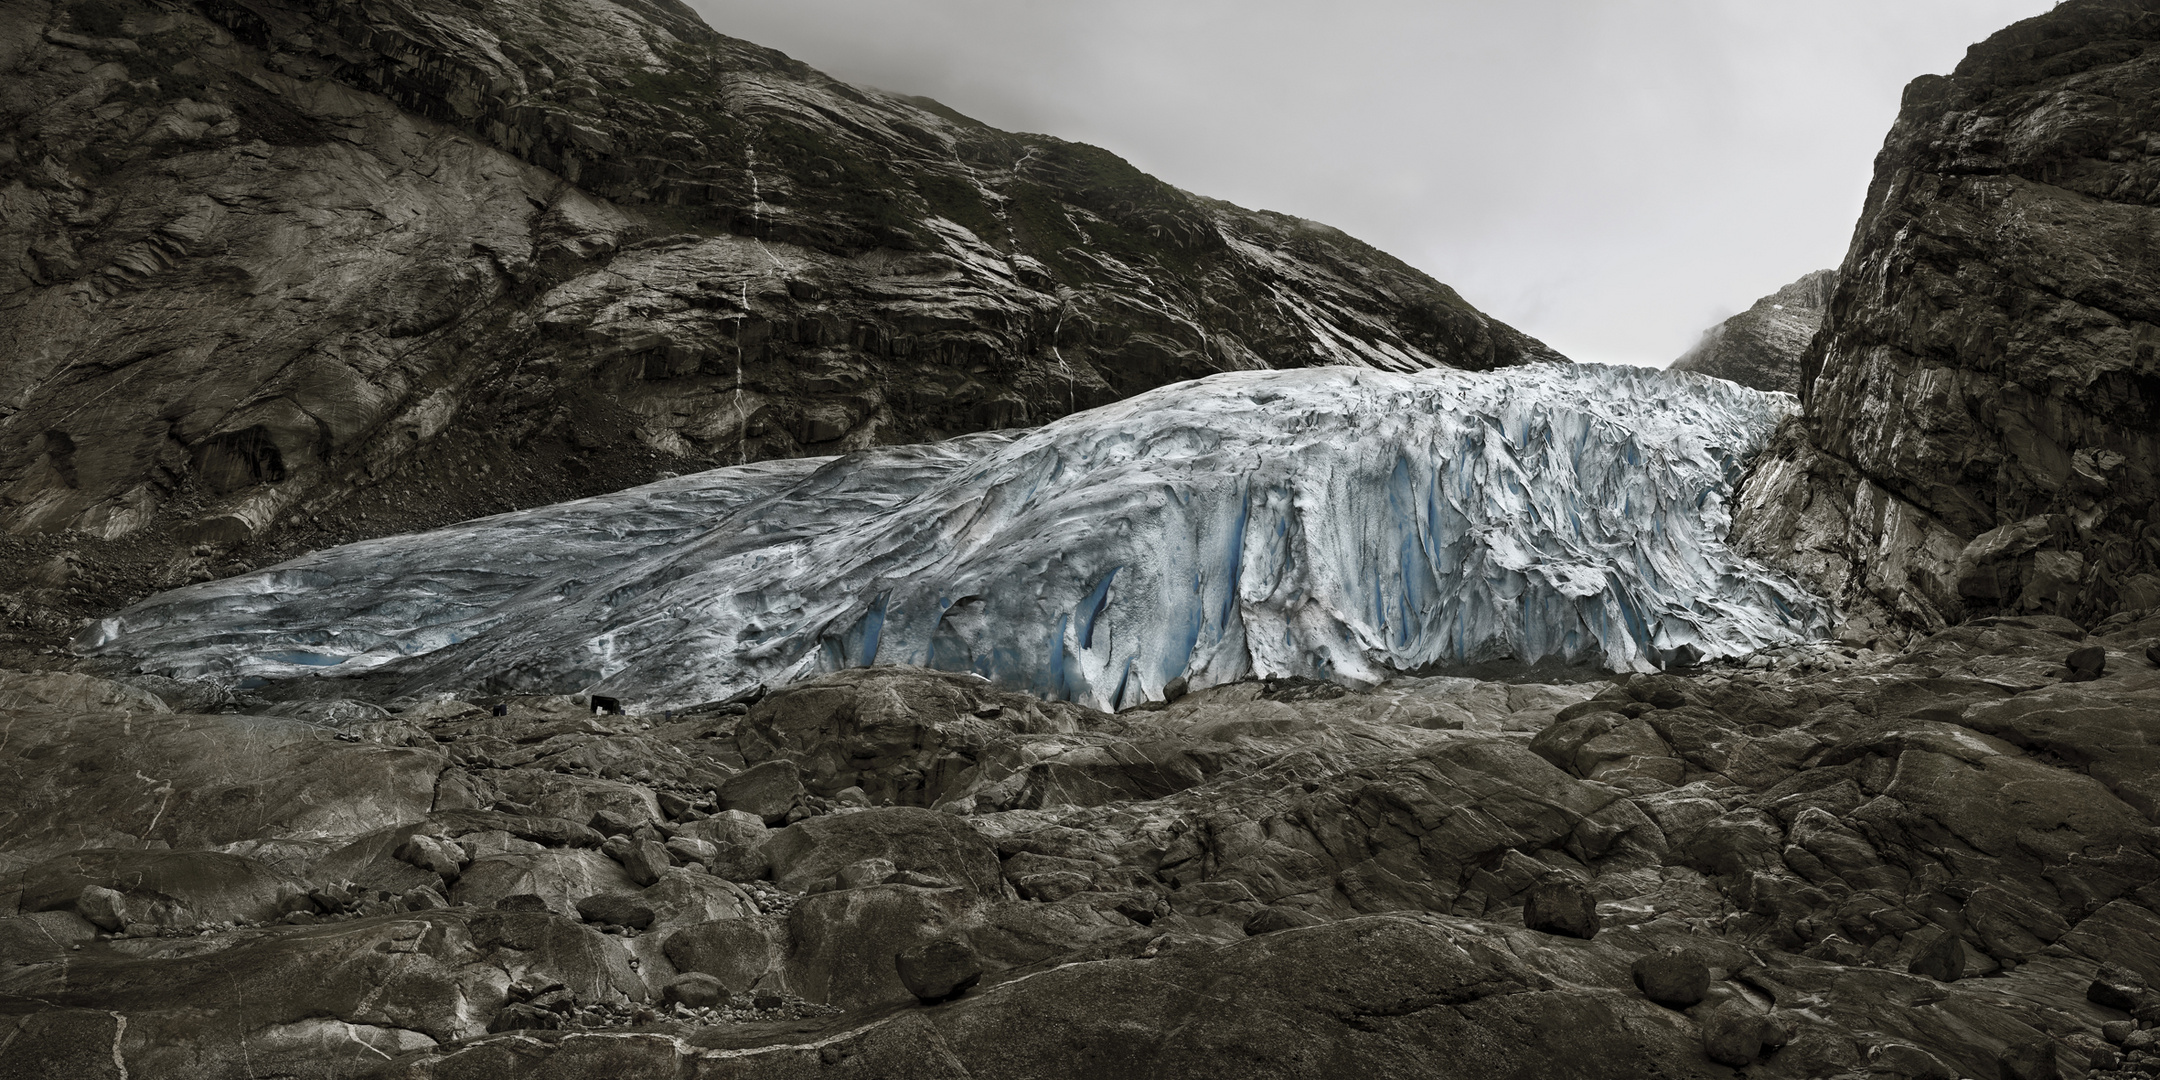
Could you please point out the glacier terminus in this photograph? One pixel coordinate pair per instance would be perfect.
(1333, 523)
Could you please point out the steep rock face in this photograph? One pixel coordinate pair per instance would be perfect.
(1761, 347)
(1980, 429)
(282, 273)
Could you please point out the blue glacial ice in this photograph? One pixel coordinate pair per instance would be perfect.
(1333, 523)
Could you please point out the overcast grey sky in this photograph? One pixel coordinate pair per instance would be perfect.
(1612, 176)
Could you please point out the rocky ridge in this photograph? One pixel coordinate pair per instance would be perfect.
(1761, 347)
(1828, 862)
(1981, 431)
(286, 274)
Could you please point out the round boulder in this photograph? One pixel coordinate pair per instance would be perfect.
(1561, 906)
(1675, 977)
(697, 990)
(1733, 1035)
(939, 970)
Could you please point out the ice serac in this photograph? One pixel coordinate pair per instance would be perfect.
(1328, 522)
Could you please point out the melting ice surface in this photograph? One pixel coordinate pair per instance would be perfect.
(1329, 522)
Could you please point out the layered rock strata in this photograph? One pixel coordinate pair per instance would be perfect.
(282, 274)
(1982, 408)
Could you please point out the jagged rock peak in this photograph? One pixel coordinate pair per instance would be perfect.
(1761, 347)
(299, 273)
(1982, 406)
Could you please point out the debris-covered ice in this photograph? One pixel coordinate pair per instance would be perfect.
(1329, 522)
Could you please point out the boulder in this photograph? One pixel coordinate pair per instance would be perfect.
(102, 907)
(2113, 987)
(645, 861)
(940, 970)
(814, 850)
(522, 1016)
(768, 790)
(683, 898)
(2086, 664)
(1943, 960)
(739, 840)
(690, 849)
(1732, 1034)
(433, 855)
(736, 952)
(1561, 906)
(843, 943)
(616, 909)
(697, 990)
(560, 878)
(1674, 977)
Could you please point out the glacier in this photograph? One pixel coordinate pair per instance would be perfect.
(1334, 523)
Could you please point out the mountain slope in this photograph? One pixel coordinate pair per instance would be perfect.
(1761, 347)
(1982, 407)
(291, 273)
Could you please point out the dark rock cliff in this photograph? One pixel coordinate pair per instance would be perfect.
(281, 273)
(1761, 347)
(1980, 431)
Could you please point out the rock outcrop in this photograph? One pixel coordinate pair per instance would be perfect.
(281, 274)
(1982, 408)
(1830, 862)
(1761, 347)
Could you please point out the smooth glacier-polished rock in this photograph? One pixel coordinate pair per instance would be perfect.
(1331, 523)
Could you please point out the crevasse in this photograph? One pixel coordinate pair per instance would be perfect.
(1333, 522)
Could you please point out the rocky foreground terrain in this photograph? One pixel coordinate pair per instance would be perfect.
(1762, 346)
(1825, 863)
(283, 274)
(301, 262)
